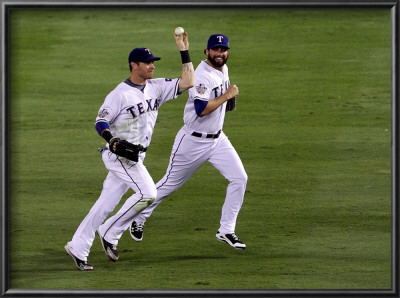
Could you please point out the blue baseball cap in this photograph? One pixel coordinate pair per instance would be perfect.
(218, 40)
(142, 55)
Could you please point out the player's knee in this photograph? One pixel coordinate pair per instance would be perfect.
(143, 203)
(148, 201)
(239, 182)
(150, 196)
(244, 177)
(240, 177)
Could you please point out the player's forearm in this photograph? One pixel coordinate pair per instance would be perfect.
(103, 130)
(187, 79)
(214, 104)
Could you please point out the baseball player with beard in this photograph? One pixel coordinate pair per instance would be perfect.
(201, 140)
(126, 121)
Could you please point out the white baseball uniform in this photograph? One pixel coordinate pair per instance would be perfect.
(131, 112)
(201, 139)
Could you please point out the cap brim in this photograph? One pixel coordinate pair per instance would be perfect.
(153, 59)
(149, 59)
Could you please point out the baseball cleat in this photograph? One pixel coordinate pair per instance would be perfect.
(80, 264)
(109, 249)
(231, 239)
(136, 231)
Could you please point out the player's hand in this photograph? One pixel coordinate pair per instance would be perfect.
(232, 92)
(125, 149)
(182, 41)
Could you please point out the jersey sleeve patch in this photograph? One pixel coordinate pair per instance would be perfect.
(103, 113)
(201, 89)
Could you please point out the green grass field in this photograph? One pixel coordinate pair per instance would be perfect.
(312, 126)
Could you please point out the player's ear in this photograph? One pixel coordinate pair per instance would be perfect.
(206, 52)
(132, 65)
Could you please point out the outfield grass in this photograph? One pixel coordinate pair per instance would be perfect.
(312, 127)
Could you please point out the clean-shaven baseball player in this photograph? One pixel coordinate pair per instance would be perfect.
(201, 139)
(126, 121)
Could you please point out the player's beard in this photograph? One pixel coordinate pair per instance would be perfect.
(217, 63)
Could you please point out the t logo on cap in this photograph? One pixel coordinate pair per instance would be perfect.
(218, 40)
(142, 55)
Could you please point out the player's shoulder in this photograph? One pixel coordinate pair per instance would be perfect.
(159, 84)
(120, 91)
(203, 69)
(122, 86)
(206, 74)
(117, 89)
(158, 81)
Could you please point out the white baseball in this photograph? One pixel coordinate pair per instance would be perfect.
(179, 30)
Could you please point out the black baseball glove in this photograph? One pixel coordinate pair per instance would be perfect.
(125, 149)
(231, 104)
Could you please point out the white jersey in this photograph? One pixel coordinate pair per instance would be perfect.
(198, 142)
(209, 84)
(132, 113)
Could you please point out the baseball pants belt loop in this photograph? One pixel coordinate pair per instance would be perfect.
(208, 136)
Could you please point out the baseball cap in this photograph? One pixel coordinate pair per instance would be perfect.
(142, 55)
(218, 40)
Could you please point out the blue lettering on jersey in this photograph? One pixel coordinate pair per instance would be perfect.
(218, 91)
(142, 109)
(149, 105)
(155, 106)
(131, 110)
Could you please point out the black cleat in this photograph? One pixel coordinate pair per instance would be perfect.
(136, 231)
(109, 249)
(81, 265)
(231, 239)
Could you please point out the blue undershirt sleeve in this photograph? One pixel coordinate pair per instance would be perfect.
(199, 106)
(100, 126)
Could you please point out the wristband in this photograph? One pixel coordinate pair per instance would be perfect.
(185, 57)
(107, 135)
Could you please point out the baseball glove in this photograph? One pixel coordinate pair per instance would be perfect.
(231, 104)
(125, 149)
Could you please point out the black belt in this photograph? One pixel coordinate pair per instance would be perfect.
(208, 136)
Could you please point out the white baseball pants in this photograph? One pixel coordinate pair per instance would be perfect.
(122, 175)
(188, 154)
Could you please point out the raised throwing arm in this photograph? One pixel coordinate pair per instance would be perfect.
(187, 79)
